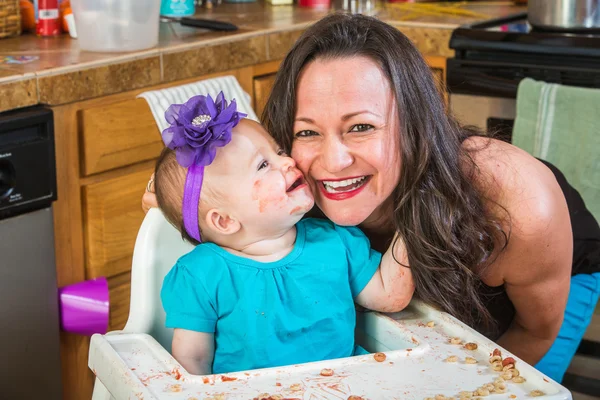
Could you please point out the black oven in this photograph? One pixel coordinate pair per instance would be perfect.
(492, 57)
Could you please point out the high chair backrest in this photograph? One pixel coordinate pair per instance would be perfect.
(157, 248)
(158, 244)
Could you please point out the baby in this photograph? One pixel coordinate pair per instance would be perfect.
(265, 287)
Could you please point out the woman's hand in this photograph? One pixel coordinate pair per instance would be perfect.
(149, 197)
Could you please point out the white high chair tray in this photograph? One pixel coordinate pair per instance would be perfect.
(135, 366)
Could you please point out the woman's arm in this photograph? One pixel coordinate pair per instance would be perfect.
(391, 288)
(536, 265)
(194, 351)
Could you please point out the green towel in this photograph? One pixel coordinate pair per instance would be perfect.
(561, 124)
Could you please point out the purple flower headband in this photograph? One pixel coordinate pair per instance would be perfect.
(197, 128)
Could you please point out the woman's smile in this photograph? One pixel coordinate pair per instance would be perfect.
(341, 189)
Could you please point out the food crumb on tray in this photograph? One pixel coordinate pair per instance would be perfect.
(455, 340)
(471, 346)
(379, 357)
(296, 387)
(326, 372)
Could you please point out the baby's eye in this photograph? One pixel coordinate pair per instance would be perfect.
(263, 164)
(361, 128)
(305, 133)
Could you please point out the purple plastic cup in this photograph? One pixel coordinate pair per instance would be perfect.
(84, 307)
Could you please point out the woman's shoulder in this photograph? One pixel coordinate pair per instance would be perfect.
(513, 179)
(523, 193)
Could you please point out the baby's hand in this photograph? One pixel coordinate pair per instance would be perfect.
(149, 198)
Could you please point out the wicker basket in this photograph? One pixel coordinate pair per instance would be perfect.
(10, 18)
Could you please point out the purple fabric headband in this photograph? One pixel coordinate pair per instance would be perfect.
(197, 128)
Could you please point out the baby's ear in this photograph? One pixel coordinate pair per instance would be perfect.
(221, 223)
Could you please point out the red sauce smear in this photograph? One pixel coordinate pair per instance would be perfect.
(177, 374)
(227, 378)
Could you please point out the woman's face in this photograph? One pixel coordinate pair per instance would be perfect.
(346, 138)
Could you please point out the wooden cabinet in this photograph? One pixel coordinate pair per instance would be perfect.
(117, 135)
(112, 217)
(438, 68)
(262, 89)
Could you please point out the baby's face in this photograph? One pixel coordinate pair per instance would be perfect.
(260, 184)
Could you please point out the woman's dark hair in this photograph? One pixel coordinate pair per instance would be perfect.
(449, 235)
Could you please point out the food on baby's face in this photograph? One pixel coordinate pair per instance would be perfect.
(379, 357)
(471, 346)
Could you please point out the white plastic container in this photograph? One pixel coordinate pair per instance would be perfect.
(116, 25)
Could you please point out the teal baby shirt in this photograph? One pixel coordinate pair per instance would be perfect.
(295, 310)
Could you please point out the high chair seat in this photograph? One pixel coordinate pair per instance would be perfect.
(135, 363)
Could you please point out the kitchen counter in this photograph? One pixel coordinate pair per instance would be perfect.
(61, 73)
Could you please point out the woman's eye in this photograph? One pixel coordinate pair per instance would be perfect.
(361, 128)
(263, 164)
(305, 133)
(281, 153)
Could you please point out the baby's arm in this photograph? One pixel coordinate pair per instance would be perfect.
(391, 287)
(194, 350)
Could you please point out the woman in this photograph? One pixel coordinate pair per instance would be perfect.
(484, 227)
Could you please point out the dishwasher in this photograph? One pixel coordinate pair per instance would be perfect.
(29, 302)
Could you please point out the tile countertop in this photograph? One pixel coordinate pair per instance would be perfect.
(62, 73)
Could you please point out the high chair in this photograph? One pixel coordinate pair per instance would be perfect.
(412, 349)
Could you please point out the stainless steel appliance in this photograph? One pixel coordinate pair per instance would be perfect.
(564, 14)
(29, 310)
(492, 57)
